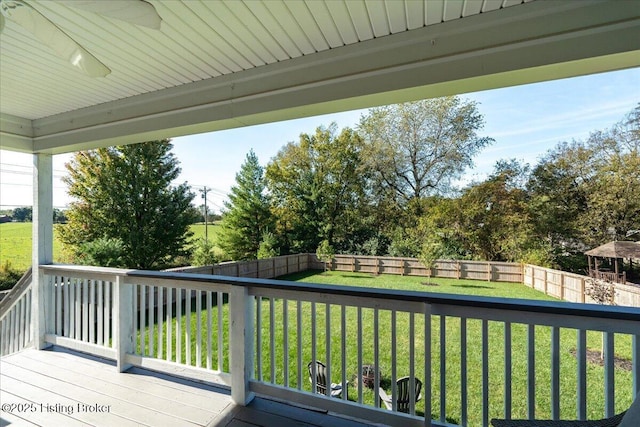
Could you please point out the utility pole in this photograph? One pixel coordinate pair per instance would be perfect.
(204, 192)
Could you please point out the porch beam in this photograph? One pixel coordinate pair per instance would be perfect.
(534, 42)
(16, 133)
(42, 252)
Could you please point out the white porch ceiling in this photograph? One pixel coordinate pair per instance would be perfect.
(222, 64)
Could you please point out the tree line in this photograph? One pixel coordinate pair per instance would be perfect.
(25, 214)
(385, 187)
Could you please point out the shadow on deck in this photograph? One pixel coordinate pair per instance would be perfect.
(61, 387)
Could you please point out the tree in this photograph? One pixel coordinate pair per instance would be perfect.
(23, 214)
(585, 193)
(417, 148)
(125, 193)
(489, 221)
(495, 214)
(59, 216)
(325, 253)
(204, 253)
(269, 246)
(248, 214)
(319, 190)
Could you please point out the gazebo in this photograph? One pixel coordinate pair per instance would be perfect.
(610, 253)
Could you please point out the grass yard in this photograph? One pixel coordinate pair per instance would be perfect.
(15, 243)
(199, 230)
(298, 370)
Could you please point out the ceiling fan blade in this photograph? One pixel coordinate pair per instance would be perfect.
(52, 36)
(138, 12)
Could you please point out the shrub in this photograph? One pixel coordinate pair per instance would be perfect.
(325, 253)
(204, 253)
(9, 276)
(102, 252)
(268, 246)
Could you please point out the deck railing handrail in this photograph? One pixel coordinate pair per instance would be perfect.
(15, 317)
(536, 306)
(143, 300)
(549, 307)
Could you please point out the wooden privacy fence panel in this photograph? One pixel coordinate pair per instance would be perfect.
(571, 287)
(267, 268)
(477, 270)
(566, 286)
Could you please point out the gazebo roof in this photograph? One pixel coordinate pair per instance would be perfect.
(616, 250)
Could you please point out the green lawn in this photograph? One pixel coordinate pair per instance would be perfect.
(15, 243)
(474, 357)
(199, 230)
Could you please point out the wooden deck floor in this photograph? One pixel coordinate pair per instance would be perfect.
(61, 388)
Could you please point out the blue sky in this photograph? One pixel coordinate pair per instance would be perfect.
(525, 121)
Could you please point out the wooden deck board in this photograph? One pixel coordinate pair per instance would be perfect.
(193, 397)
(69, 380)
(136, 397)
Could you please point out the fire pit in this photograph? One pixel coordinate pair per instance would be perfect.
(368, 375)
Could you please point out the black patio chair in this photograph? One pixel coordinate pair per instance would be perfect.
(403, 398)
(321, 380)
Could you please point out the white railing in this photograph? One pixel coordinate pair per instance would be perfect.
(477, 358)
(15, 317)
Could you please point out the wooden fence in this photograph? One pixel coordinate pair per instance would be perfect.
(571, 287)
(559, 284)
(454, 269)
(267, 268)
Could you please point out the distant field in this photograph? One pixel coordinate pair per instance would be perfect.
(15, 243)
(198, 231)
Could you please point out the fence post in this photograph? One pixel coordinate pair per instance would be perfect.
(582, 289)
(545, 282)
(562, 286)
(123, 297)
(489, 271)
(241, 313)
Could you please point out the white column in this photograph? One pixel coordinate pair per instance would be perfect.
(241, 312)
(42, 252)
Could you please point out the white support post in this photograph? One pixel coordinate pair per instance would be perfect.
(241, 312)
(123, 298)
(42, 249)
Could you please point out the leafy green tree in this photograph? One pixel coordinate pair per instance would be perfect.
(126, 193)
(248, 214)
(319, 188)
(59, 216)
(585, 193)
(325, 253)
(489, 221)
(418, 148)
(204, 253)
(105, 252)
(23, 214)
(269, 246)
(558, 196)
